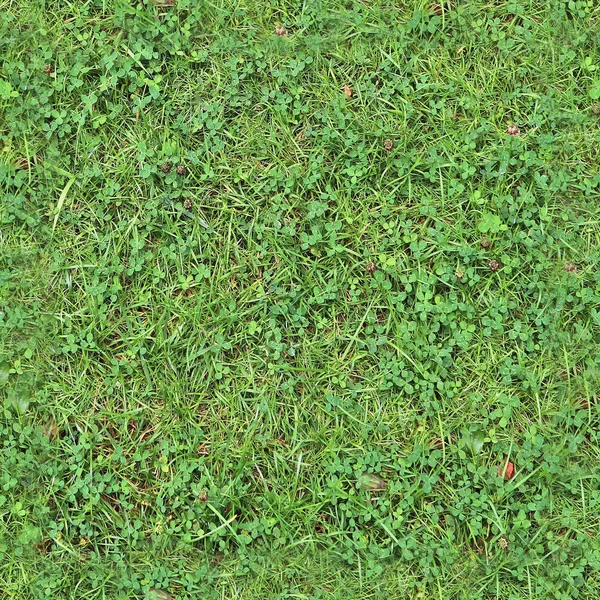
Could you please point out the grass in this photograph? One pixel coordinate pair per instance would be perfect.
(299, 300)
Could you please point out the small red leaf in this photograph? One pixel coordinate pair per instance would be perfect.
(22, 163)
(507, 471)
(347, 91)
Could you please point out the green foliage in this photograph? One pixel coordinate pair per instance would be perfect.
(285, 287)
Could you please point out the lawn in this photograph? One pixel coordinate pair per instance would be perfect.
(299, 300)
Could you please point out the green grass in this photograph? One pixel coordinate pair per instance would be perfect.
(304, 363)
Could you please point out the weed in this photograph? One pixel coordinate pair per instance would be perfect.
(299, 300)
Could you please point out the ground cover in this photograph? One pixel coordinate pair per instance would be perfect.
(299, 299)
